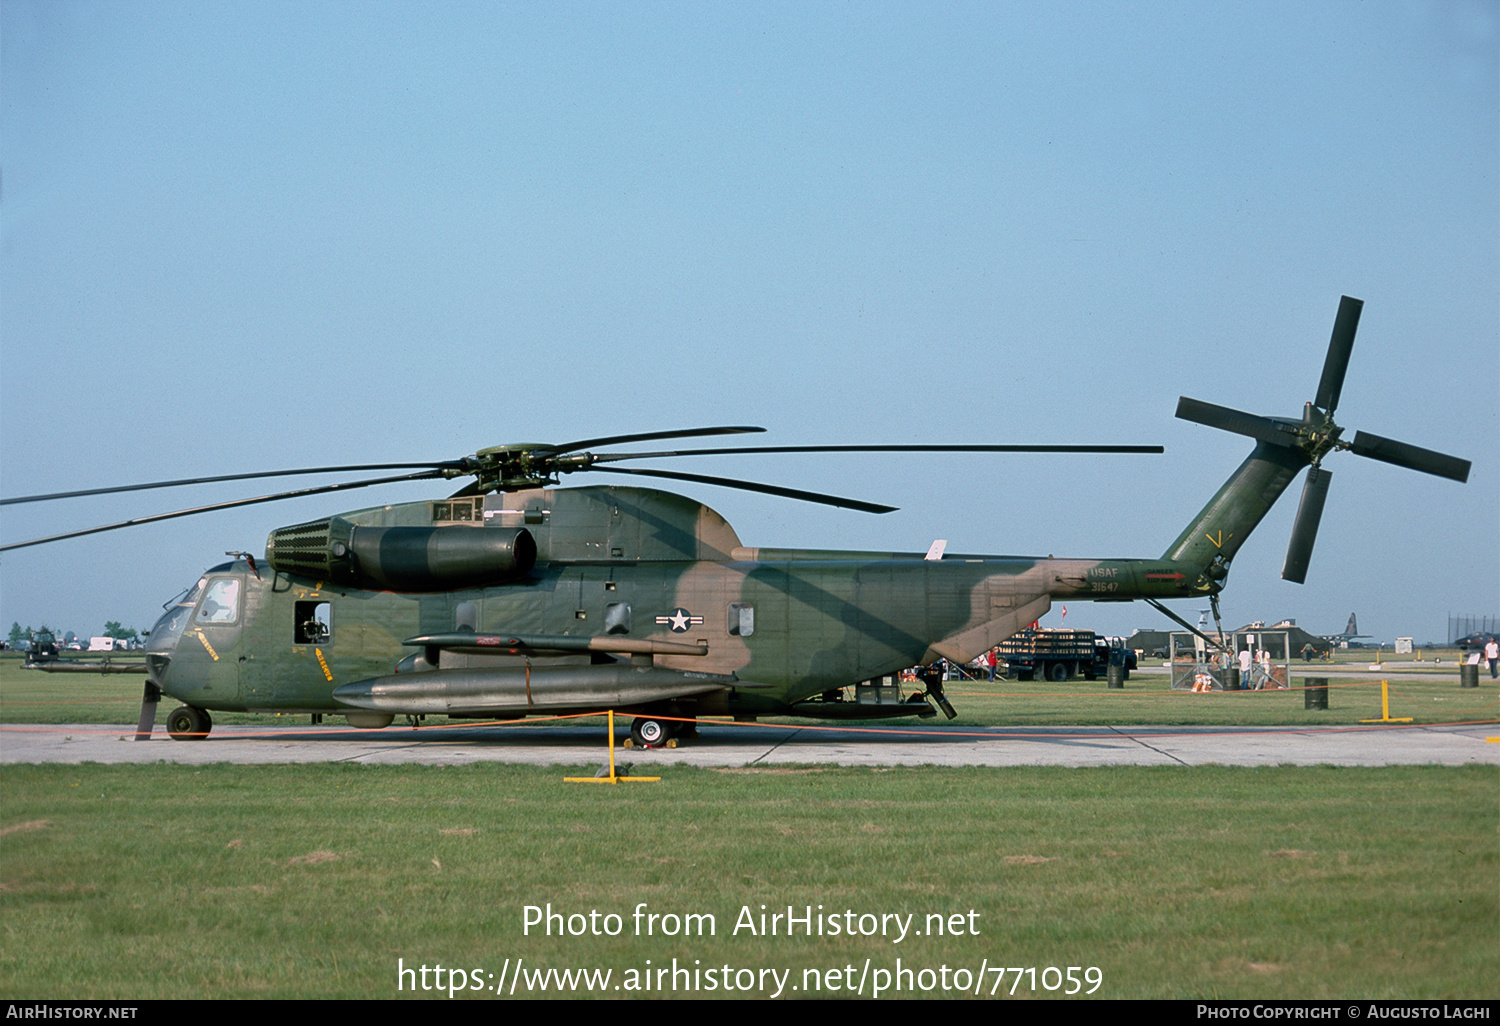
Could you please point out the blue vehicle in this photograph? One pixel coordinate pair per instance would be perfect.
(1059, 655)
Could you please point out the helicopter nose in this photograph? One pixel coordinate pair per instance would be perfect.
(156, 666)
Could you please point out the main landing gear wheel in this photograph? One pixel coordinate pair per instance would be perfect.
(189, 724)
(648, 732)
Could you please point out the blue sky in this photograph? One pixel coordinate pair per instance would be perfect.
(244, 236)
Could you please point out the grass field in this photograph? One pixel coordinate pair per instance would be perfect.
(313, 881)
(162, 881)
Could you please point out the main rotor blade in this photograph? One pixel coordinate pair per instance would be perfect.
(653, 435)
(425, 475)
(1413, 457)
(224, 477)
(1305, 528)
(752, 486)
(1336, 363)
(615, 457)
(1222, 417)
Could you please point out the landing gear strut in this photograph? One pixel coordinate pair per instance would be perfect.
(935, 692)
(149, 698)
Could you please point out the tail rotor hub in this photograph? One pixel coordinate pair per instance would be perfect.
(1316, 435)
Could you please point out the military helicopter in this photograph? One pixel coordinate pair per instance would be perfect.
(514, 597)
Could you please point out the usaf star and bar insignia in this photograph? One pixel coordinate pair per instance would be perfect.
(680, 620)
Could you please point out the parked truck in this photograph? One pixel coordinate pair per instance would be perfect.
(1060, 655)
(42, 648)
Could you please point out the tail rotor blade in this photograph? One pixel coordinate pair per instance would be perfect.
(1222, 417)
(1305, 529)
(1388, 450)
(1337, 362)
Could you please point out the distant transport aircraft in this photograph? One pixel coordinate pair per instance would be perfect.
(1351, 632)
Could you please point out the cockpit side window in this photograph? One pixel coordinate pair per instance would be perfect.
(221, 602)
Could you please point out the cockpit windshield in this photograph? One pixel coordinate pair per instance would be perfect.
(169, 628)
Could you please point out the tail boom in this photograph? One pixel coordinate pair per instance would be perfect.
(1211, 540)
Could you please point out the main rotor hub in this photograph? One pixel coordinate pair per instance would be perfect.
(515, 467)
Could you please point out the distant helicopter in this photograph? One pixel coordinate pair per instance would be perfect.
(512, 597)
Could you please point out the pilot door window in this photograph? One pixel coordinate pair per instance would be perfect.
(313, 623)
(221, 602)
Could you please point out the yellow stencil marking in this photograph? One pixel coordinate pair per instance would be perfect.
(207, 645)
(324, 663)
(1218, 542)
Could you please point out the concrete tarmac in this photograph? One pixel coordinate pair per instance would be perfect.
(744, 745)
(1447, 671)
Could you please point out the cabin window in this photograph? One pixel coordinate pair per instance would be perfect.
(741, 620)
(221, 602)
(313, 623)
(459, 510)
(466, 617)
(617, 618)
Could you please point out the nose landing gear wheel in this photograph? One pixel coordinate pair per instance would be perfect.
(648, 732)
(189, 724)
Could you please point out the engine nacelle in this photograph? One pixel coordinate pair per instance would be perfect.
(402, 558)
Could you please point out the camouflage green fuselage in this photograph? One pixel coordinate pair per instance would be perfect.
(644, 565)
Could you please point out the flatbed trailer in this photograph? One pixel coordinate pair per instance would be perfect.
(1059, 655)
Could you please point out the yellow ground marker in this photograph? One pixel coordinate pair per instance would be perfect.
(612, 778)
(1385, 707)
